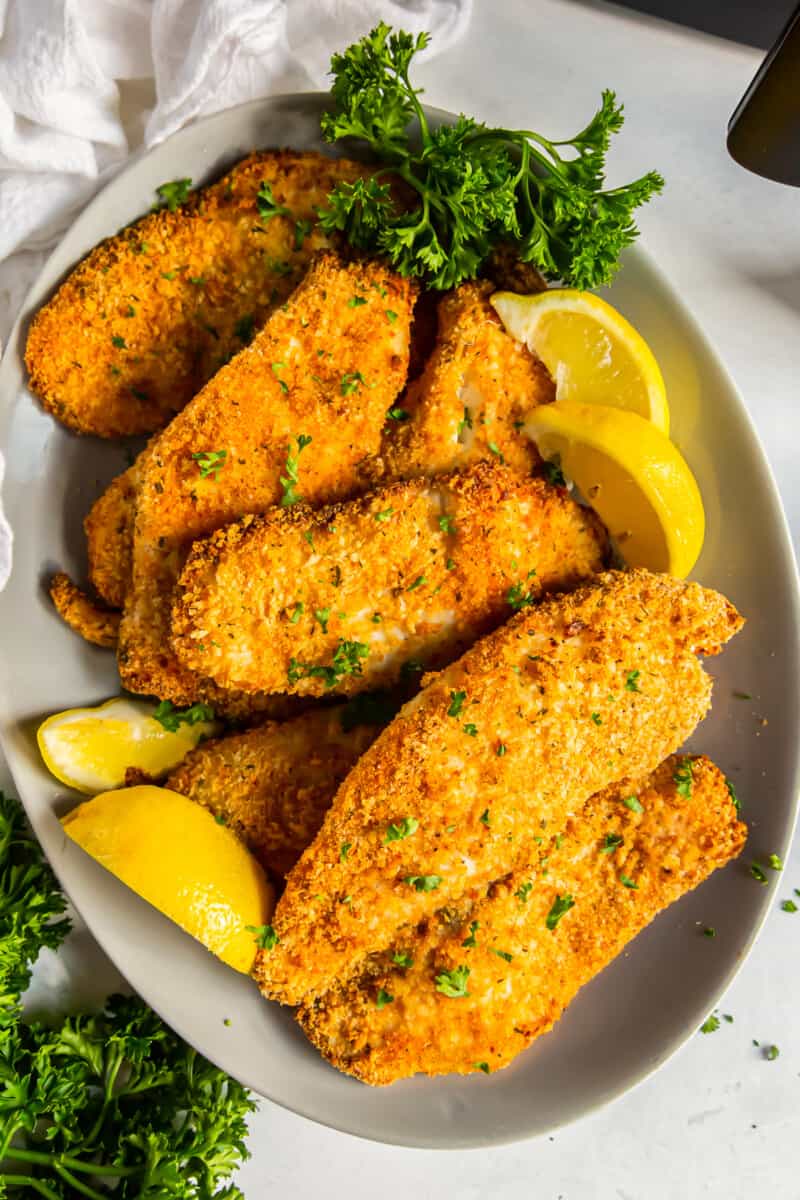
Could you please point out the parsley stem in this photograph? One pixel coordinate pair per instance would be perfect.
(27, 1181)
(66, 1160)
(78, 1184)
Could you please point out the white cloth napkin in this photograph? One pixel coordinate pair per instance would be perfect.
(65, 72)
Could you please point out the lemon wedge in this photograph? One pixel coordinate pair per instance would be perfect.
(593, 354)
(632, 475)
(174, 854)
(89, 749)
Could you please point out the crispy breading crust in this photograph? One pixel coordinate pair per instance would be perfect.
(274, 784)
(94, 623)
(523, 974)
(326, 365)
(560, 702)
(152, 313)
(385, 575)
(477, 388)
(109, 538)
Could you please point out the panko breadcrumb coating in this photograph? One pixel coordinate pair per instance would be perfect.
(109, 538)
(341, 599)
(566, 698)
(472, 397)
(152, 313)
(473, 986)
(472, 372)
(307, 398)
(273, 785)
(85, 617)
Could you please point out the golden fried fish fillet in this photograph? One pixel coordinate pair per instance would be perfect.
(342, 598)
(472, 397)
(94, 623)
(273, 785)
(293, 415)
(566, 698)
(474, 985)
(109, 538)
(153, 312)
(470, 390)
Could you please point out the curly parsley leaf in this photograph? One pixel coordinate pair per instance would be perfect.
(171, 718)
(473, 186)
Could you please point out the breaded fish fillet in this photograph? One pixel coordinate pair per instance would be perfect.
(473, 986)
(273, 785)
(471, 399)
(292, 416)
(109, 538)
(342, 598)
(79, 611)
(464, 405)
(566, 698)
(471, 388)
(153, 312)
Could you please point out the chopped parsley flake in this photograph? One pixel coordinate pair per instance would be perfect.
(788, 906)
(518, 597)
(627, 882)
(465, 422)
(385, 515)
(447, 524)
(453, 983)
(612, 842)
(598, 720)
(391, 316)
(173, 193)
(297, 612)
(561, 905)
(632, 681)
(742, 696)
(418, 582)
(775, 863)
(481, 1066)
(456, 703)
(171, 718)
(402, 958)
(344, 850)
(710, 1025)
(735, 801)
(265, 936)
(709, 931)
(523, 892)
(502, 954)
(683, 779)
(356, 301)
(496, 451)
(632, 802)
(210, 462)
(757, 871)
(553, 473)
(347, 660)
(399, 830)
(290, 480)
(323, 616)
(301, 231)
(398, 414)
(471, 941)
(383, 998)
(119, 342)
(266, 205)
(484, 818)
(351, 381)
(423, 883)
(501, 750)
(470, 730)
(771, 1053)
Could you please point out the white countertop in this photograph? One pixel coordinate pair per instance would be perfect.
(718, 1120)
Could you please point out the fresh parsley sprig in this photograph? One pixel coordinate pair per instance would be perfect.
(472, 187)
(103, 1104)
